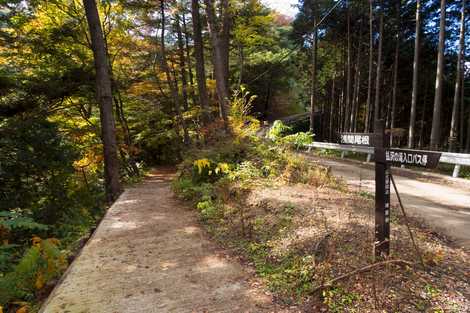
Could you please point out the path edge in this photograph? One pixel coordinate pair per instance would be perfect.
(79, 254)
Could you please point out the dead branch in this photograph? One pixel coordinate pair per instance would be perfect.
(361, 270)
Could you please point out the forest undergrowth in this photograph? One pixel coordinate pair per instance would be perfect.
(300, 230)
(51, 199)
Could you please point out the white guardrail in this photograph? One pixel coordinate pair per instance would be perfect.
(457, 159)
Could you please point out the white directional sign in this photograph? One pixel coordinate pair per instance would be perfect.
(360, 139)
(412, 157)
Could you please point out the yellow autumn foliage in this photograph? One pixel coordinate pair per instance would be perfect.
(40, 281)
(36, 241)
(222, 168)
(23, 309)
(201, 164)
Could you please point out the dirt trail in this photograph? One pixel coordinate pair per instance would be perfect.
(150, 255)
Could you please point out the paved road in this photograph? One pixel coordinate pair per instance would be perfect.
(149, 255)
(443, 206)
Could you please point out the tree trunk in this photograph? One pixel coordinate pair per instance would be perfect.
(357, 84)
(341, 105)
(395, 74)
(129, 162)
(414, 93)
(371, 65)
(332, 107)
(131, 167)
(423, 112)
(220, 63)
(467, 145)
(313, 87)
(184, 80)
(268, 96)
(436, 118)
(356, 99)
(105, 99)
(458, 80)
(188, 58)
(171, 82)
(241, 64)
(378, 80)
(199, 55)
(348, 111)
(225, 38)
(339, 124)
(462, 110)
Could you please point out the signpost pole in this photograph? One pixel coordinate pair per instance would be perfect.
(384, 158)
(382, 193)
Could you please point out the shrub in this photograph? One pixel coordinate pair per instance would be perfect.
(245, 171)
(278, 130)
(207, 208)
(243, 124)
(205, 170)
(298, 140)
(41, 263)
(279, 134)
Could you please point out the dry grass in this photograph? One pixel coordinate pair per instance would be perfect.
(299, 227)
(319, 233)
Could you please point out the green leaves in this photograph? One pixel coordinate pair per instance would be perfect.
(14, 221)
(278, 130)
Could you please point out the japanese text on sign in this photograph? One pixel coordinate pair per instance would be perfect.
(406, 158)
(355, 139)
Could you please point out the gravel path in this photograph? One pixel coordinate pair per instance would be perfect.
(150, 255)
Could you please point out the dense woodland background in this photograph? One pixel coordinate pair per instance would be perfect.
(92, 92)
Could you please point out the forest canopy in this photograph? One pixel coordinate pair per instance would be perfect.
(93, 92)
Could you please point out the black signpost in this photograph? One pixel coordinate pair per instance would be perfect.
(384, 158)
(382, 193)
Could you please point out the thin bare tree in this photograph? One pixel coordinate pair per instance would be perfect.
(436, 118)
(182, 59)
(371, 66)
(313, 80)
(199, 56)
(458, 84)
(171, 79)
(414, 93)
(395, 71)
(348, 108)
(378, 79)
